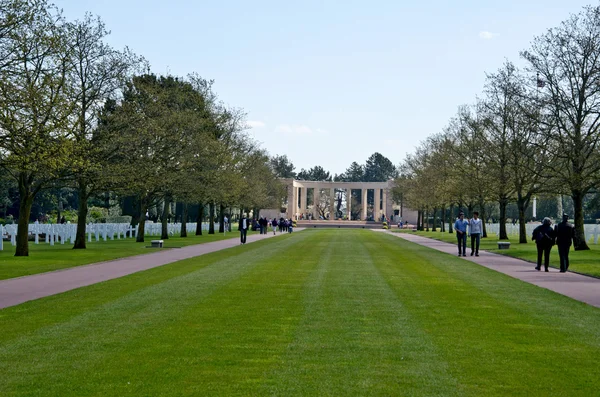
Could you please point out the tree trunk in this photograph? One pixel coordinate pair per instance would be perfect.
(483, 219)
(580, 243)
(522, 204)
(221, 218)
(164, 234)
(503, 203)
(142, 220)
(450, 219)
(25, 204)
(199, 219)
(211, 217)
(59, 209)
(230, 220)
(184, 215)
(433, 229)
(427, 220)
(443, 224)
(82, 212)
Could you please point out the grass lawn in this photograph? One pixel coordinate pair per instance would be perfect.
(45, 257)
(586, 262)
(320, 312)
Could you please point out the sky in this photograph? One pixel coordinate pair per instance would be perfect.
(331, 82)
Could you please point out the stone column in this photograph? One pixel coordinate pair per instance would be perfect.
(349, 203)
(316, 197)
(377, 205)
(364, 203)
(384, 205)
(332, 205)
(291, 207)
(303, 201)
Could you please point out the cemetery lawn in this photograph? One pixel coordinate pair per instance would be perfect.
(45, 257)
(320, 312)
(585, 262)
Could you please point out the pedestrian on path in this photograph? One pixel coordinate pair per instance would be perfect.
(543, 235)
(274, 224)
(475, 230)
(461, 233)
(565, 235)
(243, 226)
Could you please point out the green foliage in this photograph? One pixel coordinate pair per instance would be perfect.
(316, 173)
(97, 215)
(282, 167)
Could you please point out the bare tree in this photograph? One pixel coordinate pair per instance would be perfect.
(567, 61)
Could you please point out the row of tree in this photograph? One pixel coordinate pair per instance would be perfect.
(76, 112)
(534, 131)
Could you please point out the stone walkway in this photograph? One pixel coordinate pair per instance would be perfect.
(18, 290)
(573, 285)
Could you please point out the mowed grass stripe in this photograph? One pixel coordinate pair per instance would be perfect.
(135, 344)
(499, 335)
(355, 337)
(319, 312)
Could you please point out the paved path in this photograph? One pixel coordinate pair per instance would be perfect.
(573, 285)
(18, 290)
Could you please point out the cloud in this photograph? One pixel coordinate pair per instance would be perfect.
(255, 124)
(293, 129)
(485, 35)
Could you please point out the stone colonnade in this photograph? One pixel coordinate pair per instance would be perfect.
(298, 193)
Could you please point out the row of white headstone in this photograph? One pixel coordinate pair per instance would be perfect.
(62, 233)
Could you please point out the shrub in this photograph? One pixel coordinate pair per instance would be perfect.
(119, 219)
(97, 215)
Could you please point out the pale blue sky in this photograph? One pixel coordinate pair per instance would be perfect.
(331, 82)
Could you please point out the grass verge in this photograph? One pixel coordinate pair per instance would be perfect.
(45, 257)
(585, 262)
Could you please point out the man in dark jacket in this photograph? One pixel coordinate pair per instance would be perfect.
(565, 234)
(243, 226)
(543, 235)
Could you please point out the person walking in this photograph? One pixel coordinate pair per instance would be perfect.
(565, 235)
(543, 235)
(461, 233)
(243, 226)
(475, 230)
(274, 224)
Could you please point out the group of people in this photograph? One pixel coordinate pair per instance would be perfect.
(263, 223)
(546, 236)
(475, 228)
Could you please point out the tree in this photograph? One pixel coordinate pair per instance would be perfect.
(566, 62)
(379, 168)
(97, 71)
(282, 167)
(151, 127)
(354, 173)
(316, 173)
(34, 148)
(515, 142)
